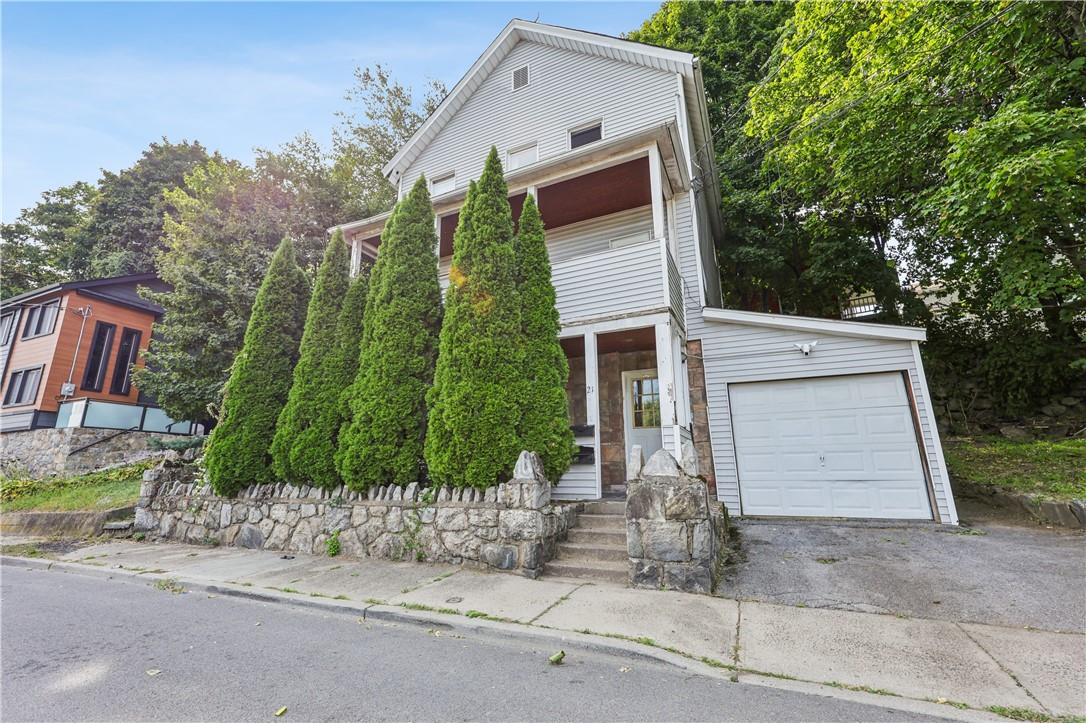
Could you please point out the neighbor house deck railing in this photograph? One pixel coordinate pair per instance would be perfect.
(99, 414)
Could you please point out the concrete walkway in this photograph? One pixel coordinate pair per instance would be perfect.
(979, 666)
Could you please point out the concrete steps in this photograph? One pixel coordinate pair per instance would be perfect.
(595, 549)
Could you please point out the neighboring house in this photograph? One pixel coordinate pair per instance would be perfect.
(790, 416)
(66, 353)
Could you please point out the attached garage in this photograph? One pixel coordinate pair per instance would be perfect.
(821, 418)
(829, 447)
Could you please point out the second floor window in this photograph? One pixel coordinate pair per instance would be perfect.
(127, 352)
(584, 135)
(41, 319)
(523, 156)
(443, 184)
(23, 386)
(7, 328)
(98, 358)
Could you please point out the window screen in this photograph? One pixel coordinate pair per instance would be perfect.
(523, 156)
(443, 184)
(98, 358)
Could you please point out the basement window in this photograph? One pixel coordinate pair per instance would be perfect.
(520, 78)
(586, 134)
(443, 184)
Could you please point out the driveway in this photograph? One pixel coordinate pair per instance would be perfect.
(991, 573)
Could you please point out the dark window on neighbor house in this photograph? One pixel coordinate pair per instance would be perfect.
(126, 357)
(7, 327)
(98, 360)
(23, 386)
(584, 136)
(41, 319)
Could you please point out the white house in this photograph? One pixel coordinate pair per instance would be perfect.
(790, 416)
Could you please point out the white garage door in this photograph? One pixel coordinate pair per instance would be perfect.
(828, 447)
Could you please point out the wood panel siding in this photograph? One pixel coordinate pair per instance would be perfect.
(57, 350)
(568, 90)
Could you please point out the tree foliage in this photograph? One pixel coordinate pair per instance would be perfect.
(382, 442)
(128, 213)
(238, 450)
(544, 423)
(300, 451)
(383, 115)
(475, 414)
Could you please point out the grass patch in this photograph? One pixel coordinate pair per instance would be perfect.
(429, 609)
(117, 487)
(1028, 714)
(1053, 469)
(169, 585)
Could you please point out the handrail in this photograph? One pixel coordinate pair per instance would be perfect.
(103, 439)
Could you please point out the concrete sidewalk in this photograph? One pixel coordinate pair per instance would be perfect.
(980, 666)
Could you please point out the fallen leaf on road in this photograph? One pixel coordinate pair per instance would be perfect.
(624, 669)
(281, 711)
(556, 659)
(153, 672)
(257, 624)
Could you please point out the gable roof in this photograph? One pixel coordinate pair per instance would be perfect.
(650, 56)
(118, 289)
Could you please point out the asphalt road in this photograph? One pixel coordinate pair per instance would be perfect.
(80, 648)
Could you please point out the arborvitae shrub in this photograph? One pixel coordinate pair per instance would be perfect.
(301, 452)
(382, 441)
(544, 421)
(238, 450)
(475, 400)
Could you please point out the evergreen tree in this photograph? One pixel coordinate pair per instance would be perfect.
(344, 365)
(475, 395)
(300, 453)
(238, 450)
(544, 423)
(382, 441)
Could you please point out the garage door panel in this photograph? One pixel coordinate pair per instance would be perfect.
(836, 446)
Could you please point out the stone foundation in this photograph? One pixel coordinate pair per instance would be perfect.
(49, 452)
(510, 527)
(675, 532)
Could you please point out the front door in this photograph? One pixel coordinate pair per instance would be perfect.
(641, 409)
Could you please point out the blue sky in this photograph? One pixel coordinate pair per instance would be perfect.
(88, 85)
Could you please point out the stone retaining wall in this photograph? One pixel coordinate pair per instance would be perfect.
(676, 532)
(48, 452)
(512, 526)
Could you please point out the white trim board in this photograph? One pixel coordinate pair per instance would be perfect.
(858, 329)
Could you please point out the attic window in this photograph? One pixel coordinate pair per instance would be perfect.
(520, 77)
(443, 184)
(585, 134)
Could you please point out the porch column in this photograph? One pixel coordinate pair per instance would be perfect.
(666, 372)
(592, 402)
(656, 192)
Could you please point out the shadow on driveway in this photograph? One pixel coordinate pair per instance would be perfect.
(992, 573)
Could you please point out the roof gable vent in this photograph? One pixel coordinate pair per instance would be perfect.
(520, 77)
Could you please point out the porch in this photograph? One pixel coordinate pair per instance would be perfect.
(627, 385)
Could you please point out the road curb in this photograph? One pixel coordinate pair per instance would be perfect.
(506, 630)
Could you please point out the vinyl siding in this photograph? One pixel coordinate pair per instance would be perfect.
(567, 89)
(578, 483)
(736, 353)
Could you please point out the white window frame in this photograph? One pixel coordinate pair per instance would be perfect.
(583, 127)
(513, 75)
(520, 149)
(436, 181)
